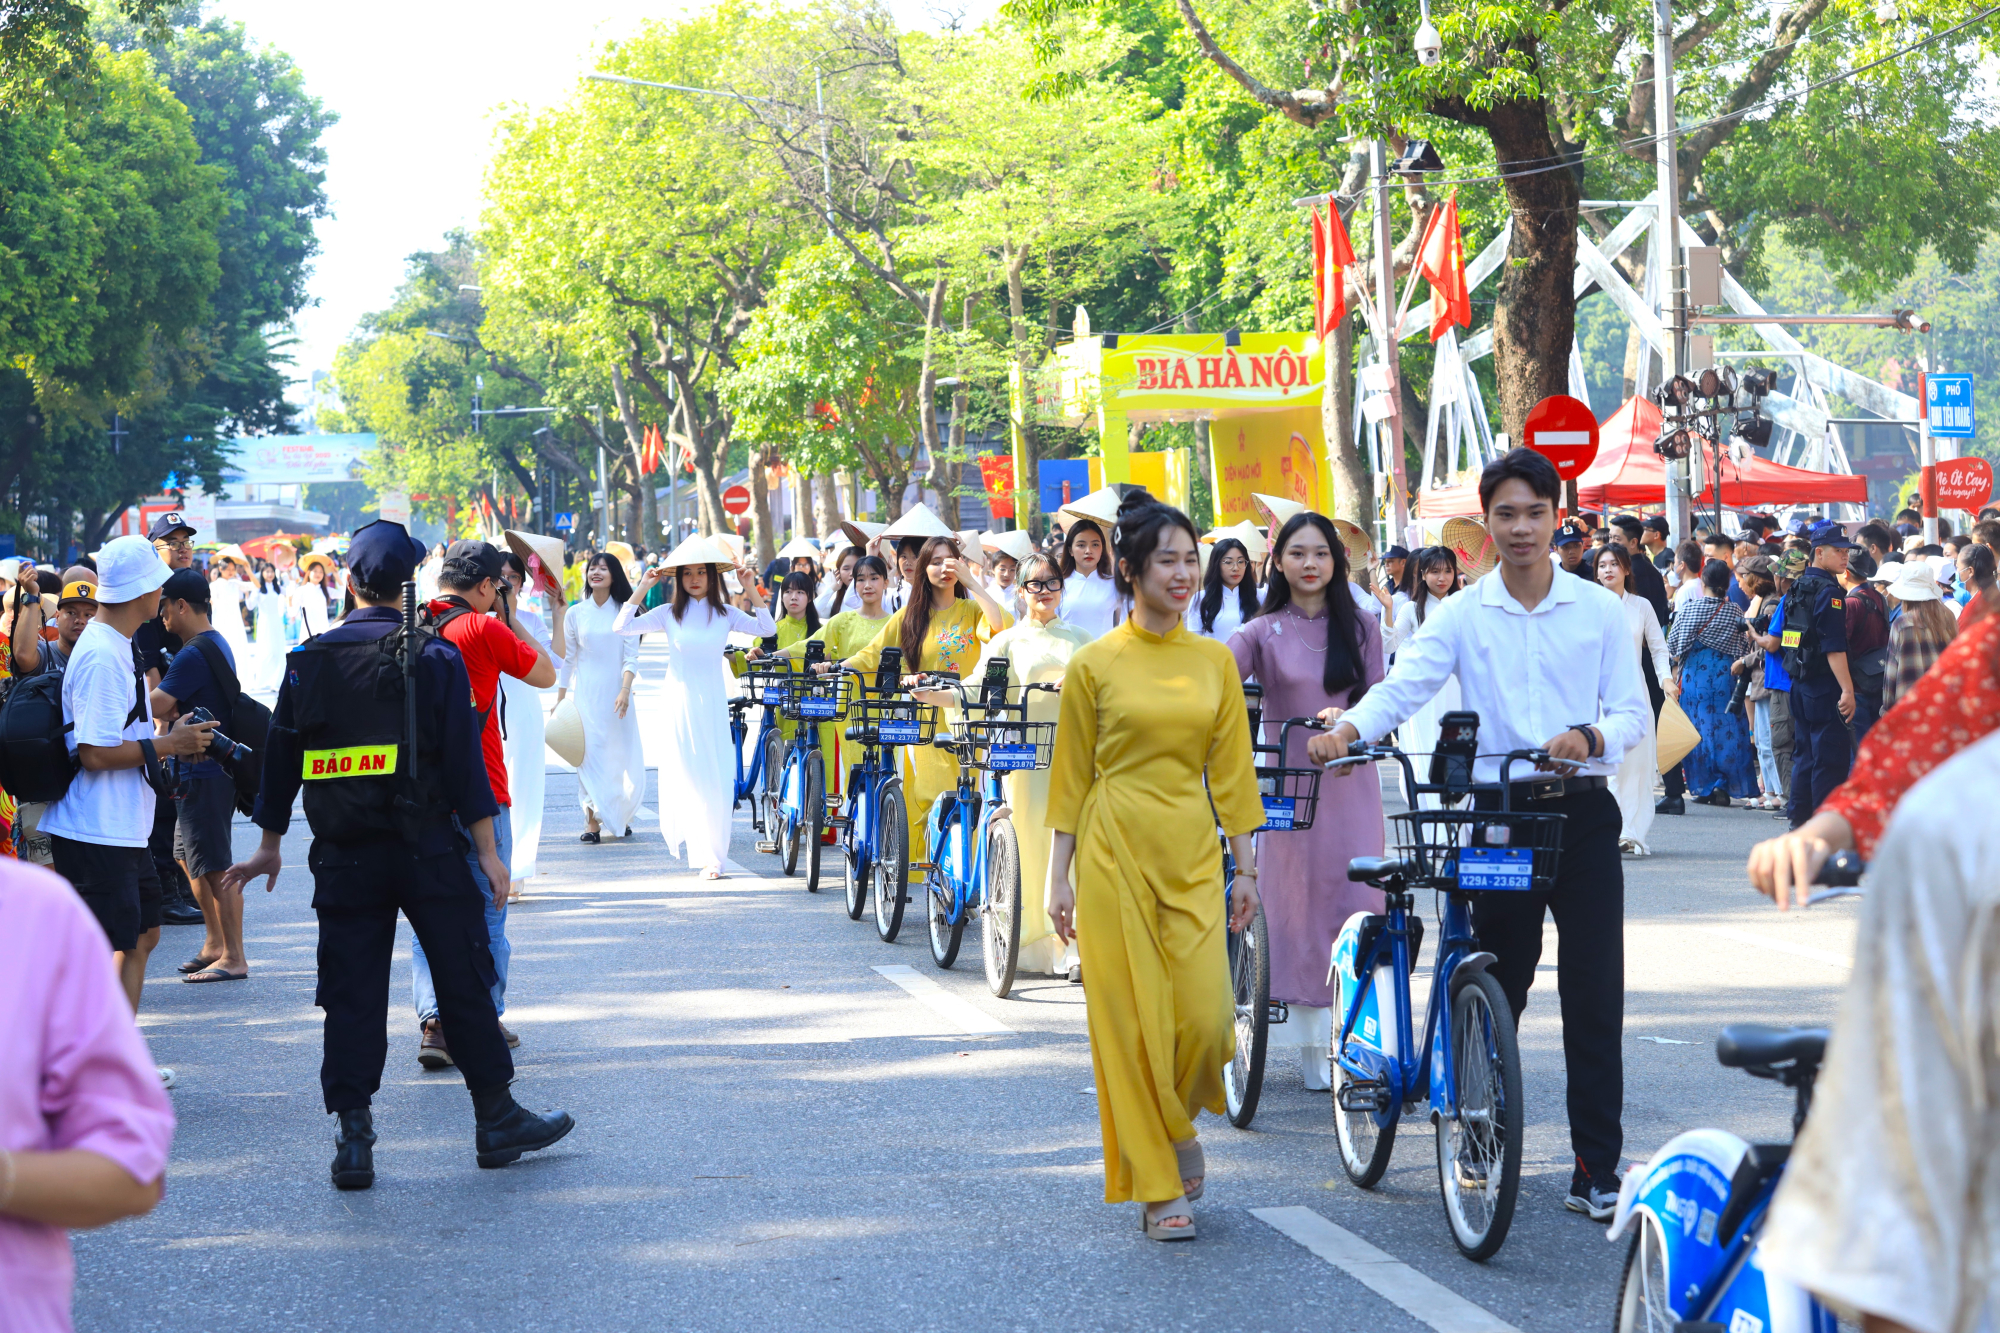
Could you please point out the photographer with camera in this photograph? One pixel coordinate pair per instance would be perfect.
(205, 795)
(99, 827)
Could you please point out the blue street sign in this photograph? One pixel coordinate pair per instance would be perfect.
(1948, 400)
(565, 522)
(1063, 480)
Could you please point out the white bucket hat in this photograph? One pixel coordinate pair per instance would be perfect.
(1915, 584)
(1889, 572)
(129, 567)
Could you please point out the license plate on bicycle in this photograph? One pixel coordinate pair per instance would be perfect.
(897, 733)
(1010, 758)
(1279, 812)
(816, 708)
(1496, 869)
(774, 695)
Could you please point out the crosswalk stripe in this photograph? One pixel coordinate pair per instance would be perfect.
(940, 1001)
(1382, 1273)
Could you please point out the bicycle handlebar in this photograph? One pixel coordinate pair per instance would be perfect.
(1359, 753)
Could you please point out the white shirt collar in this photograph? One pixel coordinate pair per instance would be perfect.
(1562, 590)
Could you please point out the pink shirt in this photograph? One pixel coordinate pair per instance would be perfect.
(74, 1073)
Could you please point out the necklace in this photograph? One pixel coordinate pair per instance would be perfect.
(1293, 615)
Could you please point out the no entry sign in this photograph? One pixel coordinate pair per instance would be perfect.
(736, 501)
(1564, 431)
(1964, 483)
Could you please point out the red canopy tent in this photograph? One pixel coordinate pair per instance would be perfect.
(1627, 474)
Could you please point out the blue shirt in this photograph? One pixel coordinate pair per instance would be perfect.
(194, 686)
(444, 700)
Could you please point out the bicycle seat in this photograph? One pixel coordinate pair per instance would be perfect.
(1371, 869)
(1754, 1046)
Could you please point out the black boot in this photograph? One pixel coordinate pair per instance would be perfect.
(1670, 805)
(179, 907)
(354, 1150)
(507, 1129)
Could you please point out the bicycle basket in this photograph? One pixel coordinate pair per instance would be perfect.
(897, 721)
(1479, 851)
(1291, 797)
(1007, 744)
(767, 684)
(814, 698)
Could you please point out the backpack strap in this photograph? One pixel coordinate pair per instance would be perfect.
(220, 670)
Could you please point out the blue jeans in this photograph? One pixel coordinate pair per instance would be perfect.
(1767, 754)
(421, 989)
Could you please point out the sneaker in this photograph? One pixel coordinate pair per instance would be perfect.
(167, 1076)
(513, 1038)
(432, 1053)
(1589, 1196)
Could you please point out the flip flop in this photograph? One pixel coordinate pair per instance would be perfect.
(208, 974)
(194, 964)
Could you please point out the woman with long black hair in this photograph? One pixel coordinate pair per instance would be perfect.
(1090, 595)
(1228, 594)
(599, 668)
(1429, 578)
(1312, 648)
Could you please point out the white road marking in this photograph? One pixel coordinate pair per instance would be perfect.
(940, 1001)
(1385, 1275)
(1826, 956)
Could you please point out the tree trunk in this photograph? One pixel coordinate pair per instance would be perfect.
(761, 544)
(1027, 444)
(826, 504)
(1534, 321)
(807, 519)
(927, 398)
(1353, 495)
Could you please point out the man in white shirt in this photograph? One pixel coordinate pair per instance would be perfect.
(99, 828)
(1546, 661)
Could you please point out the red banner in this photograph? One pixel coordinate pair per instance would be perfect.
(997, 471)
(1964, 483)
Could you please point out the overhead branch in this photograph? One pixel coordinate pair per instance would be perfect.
(1310, 107)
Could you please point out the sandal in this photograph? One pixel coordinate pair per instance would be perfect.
(208, 974)
(1192, 1167)
(591, 835)
(195, 964)
(713, 872)
(1151, 1221)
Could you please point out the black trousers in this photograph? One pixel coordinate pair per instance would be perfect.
(1588, 901)
(1822, 746)
(357, 891)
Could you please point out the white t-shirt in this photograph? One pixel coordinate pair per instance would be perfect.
(115, 808)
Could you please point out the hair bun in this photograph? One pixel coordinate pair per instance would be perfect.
(1135, 501)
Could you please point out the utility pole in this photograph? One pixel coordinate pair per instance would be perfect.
(1926, 442)
(1667, 249)
(1386, 331)
(603, 497)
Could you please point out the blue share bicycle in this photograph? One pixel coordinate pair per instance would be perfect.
(764, 686)
(872, 823)
(1291, 798)
(1696, 1211)
(1468, 1064)
(973, 862)
(795, 805)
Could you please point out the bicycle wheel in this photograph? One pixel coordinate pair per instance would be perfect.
(814, 817)
(772, 819)
(892, 861)
(1479, 1149)
(791, 832)
(1364, 1121)
(1000, 926)
(1250, 978)
(857, 868)
(1642, 1288)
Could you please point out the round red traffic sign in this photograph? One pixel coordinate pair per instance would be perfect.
(1564, 431)
(736, 500)
(1964, 483)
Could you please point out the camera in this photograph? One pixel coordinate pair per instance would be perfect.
(220, 748)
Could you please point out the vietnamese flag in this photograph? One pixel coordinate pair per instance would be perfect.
(649, 452)
(1332, 253)
(1441, 259)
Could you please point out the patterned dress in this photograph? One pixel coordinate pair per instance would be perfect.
(1726, 757)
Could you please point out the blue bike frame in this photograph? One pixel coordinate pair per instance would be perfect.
(1401, 1072)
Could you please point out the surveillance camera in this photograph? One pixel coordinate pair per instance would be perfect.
(1429, 43)
(1886, 13)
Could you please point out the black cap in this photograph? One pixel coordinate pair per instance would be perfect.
(383, 554)
(186, 585)
(1396, 553)
(1569, 533)
(167, 524)
(1656, 523)
(483, 556)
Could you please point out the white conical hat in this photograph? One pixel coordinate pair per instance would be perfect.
(734, 543)
(1254, 542)
(1276, 511)
(1357, 541)
(564, 732)
(919, 521)
(1016, 545)
(698, 550)
(540, 551)
(1100, 506)
(859, 532)
(800, 546)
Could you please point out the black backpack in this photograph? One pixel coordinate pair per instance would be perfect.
(433, 623)
(244, 721)
(35, 761)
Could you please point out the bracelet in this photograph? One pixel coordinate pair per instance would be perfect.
(1246, 874)
(7, 1193)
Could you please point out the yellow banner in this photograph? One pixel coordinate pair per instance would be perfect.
(1279, 453)
(351, 761)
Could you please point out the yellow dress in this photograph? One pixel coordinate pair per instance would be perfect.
(791, 630)
(1036, 654)
(1142, 716)
(952, 643)
(844, 635)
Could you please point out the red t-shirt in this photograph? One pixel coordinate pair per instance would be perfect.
(489, 648)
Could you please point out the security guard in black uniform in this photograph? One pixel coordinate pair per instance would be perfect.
(385, 839)
(1813, 638)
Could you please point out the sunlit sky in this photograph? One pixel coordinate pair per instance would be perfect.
(419, 86)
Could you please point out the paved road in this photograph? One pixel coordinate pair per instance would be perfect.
(774, 1134)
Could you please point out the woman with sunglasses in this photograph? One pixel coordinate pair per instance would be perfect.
(1037, 651)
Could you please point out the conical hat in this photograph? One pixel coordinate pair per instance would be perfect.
(1100, 507)
(542, 555)
(1357, 541)
(732, 542)
(623, 551)
(319, 558)
(1016, 546)
(860, 533)
(1254, 542)
(698, 550)
(564, 732)
(1473, 545)
(1276, 512)
(918, 521)
(800, 546)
